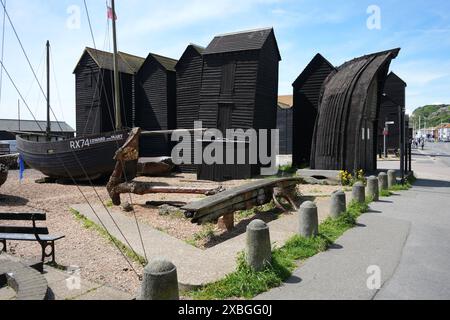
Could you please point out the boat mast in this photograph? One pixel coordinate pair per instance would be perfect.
(116, 70)
(48, 129)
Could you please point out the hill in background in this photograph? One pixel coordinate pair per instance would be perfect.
(431, 115)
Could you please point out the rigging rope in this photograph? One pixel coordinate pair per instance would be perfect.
(27, 58)
(89, 22)
(20, 94)
(100, 220)
(75, 156)
(3, 52)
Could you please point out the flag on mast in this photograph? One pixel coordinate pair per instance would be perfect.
(111, 14)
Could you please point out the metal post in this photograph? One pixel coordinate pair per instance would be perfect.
(402, 143)
(48, 130)
(118, 117)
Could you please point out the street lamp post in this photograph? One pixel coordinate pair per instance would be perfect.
(401, 113)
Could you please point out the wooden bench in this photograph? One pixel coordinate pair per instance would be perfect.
(257, 193)
(32, 233)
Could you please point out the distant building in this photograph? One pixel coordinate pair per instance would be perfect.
(444, 133)
(9, 128)
(284, 123)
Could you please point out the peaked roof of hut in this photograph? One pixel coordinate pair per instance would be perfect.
(318, 58)
(129, 64)
(241, 41)
(392, 75)
(196, 48)
(165, 62)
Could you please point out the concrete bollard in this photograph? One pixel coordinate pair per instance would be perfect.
(259, 248)
(373, 190)
(160, 281)
(392, 178)
(383, 181)
(338, 204)
(309, 220)
(359, 193)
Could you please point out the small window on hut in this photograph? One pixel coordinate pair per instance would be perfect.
(228, 75)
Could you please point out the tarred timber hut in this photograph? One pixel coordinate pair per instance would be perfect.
(392, 104)
(284, 124)
(95, 90)
(156, 107)
(345, 135)
(307, 89)
(239, 91)
(189, 83)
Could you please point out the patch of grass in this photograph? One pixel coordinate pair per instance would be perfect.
(400, 187)
(246, 283)
(385, 193)
(244, 214)
(109, 204)
(208, 233)
(88, 224)
(288, 169)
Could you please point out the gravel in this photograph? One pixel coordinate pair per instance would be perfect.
(98, 259)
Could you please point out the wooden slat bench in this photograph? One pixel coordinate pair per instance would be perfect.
(31, 233)
(245, 197)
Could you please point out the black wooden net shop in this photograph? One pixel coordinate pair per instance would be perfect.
(393, 102)
(345, 135)
(239, 91)
(95, 90)
(156, 95)
(307, 88)
(189, 82)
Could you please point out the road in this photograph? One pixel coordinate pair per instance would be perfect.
(406, 238)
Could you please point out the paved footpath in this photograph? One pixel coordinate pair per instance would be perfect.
(196, 267)
(407, 236)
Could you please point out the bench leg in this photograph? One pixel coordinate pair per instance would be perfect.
(44, 246)
(3, 242)
(227, 222)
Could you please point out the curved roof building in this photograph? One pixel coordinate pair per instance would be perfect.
(345, 135)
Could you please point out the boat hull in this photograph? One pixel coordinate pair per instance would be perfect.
(3, 177)
(84, 158)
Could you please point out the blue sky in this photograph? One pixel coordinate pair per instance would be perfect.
(337, 29)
